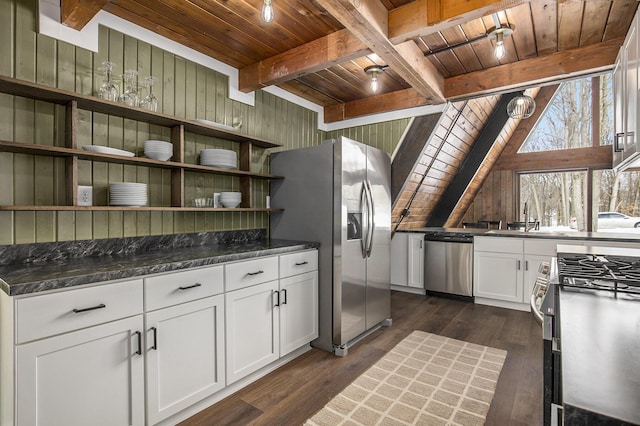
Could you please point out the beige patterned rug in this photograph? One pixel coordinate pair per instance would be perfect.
(425, 379)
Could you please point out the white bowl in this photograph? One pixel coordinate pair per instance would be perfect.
(158, 145)
(157, 155)
(231, 193)
(229, 204)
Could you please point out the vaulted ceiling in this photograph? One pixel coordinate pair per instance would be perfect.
(318, 49)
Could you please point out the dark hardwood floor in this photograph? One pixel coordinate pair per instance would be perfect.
(296, 391)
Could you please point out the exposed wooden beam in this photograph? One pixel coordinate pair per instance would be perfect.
(423, 17)
(392, 101)
(77, 13)
(311, 57)
(368, 21)
(566, 64)
(599, 157)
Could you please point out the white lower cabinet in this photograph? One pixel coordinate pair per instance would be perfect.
(253, 329)
(298, 311)
(415, 261)
(407, 260)
(92, 377)
(498, 276)
(185, 355)
(103, 354)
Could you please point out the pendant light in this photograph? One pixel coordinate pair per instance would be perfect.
(267, 11)
(498, 33)
(520, 107)
(374, 71)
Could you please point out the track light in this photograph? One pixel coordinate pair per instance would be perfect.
(374, 71)
(267, 11)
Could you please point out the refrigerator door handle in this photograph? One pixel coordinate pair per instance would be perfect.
(364, 203)
(372, 219)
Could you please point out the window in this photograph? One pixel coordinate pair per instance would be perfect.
(560, 200)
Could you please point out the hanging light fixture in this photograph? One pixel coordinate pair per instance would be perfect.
(498, 33)
(522, 106)
(267, 11)
(374, 71)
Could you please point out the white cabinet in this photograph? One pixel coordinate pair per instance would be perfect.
(298, 311)
(90, 376)
(185, 355)
(505, 268)
(415, 261)
(498, 275)
(407, 261)
(626, 147)
(270, 320)
(253, 329)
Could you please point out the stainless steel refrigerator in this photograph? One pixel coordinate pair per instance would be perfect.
(338, 193)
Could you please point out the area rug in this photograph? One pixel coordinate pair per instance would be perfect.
(425, 379)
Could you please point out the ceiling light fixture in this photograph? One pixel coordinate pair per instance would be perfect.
(374, 71)
(520, 107)
(498, 33)
(267, 11)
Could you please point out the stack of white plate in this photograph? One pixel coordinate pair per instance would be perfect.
(158, 150)
(224, 158)
(230, 199)
(127, 194)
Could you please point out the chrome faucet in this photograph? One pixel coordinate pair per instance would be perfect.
(526, 217)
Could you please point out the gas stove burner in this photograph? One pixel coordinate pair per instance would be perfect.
(607, 285)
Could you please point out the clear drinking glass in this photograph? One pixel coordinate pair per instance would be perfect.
(130, 95)
(108, 90)
(150, 101)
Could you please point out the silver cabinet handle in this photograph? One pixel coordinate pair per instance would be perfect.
(93, 308)
(190, 286)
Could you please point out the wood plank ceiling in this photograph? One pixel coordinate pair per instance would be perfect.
(318, 49)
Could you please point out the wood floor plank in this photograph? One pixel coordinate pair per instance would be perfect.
(296, 391)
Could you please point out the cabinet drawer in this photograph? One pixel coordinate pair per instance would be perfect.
(498, 244)
(250, 272)
(298, 263)
(55, 313)
(184, 286)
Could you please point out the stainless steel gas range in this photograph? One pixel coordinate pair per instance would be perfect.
(590, 316)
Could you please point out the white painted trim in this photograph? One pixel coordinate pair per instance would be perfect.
(87, 38)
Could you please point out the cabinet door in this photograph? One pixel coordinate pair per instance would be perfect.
(185, 355)
(399, 258)
(253, 329)
(89, 377)
(415, 264)
(298, 311)
(631, 89)
(498, 276)
(531, 265)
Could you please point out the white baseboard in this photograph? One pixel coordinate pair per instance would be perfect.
(503, 304)
(408, 289)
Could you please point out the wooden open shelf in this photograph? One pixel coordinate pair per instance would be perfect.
(72, 152)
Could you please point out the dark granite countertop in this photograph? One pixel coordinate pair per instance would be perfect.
(69, 271)
(600, 346)
(568, 235)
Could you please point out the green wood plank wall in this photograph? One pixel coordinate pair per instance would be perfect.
(184, 89)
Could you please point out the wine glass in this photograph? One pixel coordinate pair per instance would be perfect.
(130, 94)
(150, 101)
(108, 89)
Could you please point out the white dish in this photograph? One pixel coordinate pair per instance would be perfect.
(107, 150)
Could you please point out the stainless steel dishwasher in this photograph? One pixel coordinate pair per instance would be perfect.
(448, 265)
